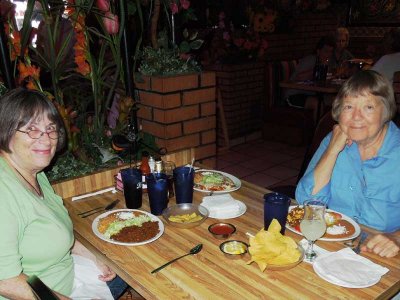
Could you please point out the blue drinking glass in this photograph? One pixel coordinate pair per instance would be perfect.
(157, 189)
(276, 206)
(183, 182)
(132, 180)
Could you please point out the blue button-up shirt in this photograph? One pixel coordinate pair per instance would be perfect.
(369, 190)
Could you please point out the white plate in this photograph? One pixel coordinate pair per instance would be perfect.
(335, 272)
(344, 217)
(235, 180)
(242, 210)
(152, 217)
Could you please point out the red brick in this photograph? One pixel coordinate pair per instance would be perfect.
(198, 96)
(142, 82)
(207, 78)
(198, 125)
(159, 100)
(174, 83)
(208, 109)
(208, 137)
(145, 112)
(176, 115)
(162, 131)
(183, 142)
(206, 151)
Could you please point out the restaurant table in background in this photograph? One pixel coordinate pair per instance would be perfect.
(330, 87)
(209, 274)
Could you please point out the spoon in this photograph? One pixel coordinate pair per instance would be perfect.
(192, 251)
(99, 209)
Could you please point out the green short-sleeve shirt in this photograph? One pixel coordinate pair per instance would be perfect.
(35, 233)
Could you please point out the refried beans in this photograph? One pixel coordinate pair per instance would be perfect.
(136, 234)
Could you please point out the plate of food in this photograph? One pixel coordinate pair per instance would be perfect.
(129, 227)
(339, 227)
(215, 181)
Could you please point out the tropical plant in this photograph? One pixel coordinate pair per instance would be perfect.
(78, 63)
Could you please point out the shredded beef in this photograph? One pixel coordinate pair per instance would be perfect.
(136, 234)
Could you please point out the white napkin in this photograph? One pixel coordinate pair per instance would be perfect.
(87, 285)
(318, 250)
(110, 189)
(221, 205)
(348, 269)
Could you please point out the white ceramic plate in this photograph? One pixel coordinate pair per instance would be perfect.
(152, 217)
(336, 273)
(235, 180)
(344, 217)
(242, 210)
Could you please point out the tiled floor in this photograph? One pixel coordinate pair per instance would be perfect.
(264, 163)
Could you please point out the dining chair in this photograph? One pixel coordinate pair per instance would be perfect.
(323, 127)
(40, 290)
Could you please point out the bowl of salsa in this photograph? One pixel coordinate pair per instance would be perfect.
(221, 230)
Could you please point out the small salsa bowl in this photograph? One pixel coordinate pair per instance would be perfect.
(234, 249)
(221, 230)
(185, 209)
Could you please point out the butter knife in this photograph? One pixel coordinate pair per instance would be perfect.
(364, 236)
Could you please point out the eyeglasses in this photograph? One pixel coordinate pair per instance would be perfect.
(37, 134)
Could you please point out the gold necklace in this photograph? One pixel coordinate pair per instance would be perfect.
(38, 192)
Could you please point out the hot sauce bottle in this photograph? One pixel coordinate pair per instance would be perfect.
(145, 168)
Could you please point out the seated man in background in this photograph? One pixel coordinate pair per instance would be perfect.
(340, 54)
(388, 64)
(305, 71)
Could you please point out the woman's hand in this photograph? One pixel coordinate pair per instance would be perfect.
(339, 139)
(382, 245)
(108, 274)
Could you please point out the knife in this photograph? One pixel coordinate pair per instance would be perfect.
(98, 209)
(364, 236)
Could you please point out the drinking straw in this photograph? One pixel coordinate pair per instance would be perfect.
(191, 166)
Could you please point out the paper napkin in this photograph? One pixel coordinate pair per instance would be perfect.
(348, 269)
(221, 206)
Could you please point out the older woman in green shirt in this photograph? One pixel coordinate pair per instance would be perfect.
(36, 236)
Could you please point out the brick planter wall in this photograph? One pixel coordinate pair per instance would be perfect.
(243, 95)
(180, 111)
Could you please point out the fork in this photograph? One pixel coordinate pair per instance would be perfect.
(364, 236)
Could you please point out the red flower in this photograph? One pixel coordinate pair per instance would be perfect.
(111, 23)
(174, 7)
(103, 5)
(185, 4)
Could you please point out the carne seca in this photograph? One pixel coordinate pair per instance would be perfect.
(136, 234)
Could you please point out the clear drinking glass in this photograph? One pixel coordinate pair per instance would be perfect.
(313, 225)
(169, 167)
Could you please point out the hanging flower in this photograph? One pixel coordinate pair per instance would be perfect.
(185, 4)
(111, 23)
(174, 8)
(103, 5)
(81, 48)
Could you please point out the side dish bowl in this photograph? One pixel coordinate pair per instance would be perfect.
(287, 266)
(234, 249)
(185, 209)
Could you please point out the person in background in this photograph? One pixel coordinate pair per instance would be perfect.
(355, 169)
(388, 64)
(36, 236)
(305, 72)
(340, 55)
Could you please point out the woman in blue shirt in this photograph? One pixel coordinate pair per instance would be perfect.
(355, 169)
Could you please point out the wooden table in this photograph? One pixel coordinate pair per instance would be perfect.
(320, 89)
(210, 275)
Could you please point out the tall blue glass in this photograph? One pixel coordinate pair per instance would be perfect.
(157, 189)
(132, 180)
(276, 206)
(183, 182)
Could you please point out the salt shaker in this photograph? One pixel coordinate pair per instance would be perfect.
(152, 164)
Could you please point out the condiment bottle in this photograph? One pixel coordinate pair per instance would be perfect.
(159, 166)
(145, 168)
(152, 164)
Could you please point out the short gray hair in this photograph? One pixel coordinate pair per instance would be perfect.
(363, 83)
(18, 107)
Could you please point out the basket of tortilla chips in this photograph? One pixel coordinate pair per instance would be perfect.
(273, 251)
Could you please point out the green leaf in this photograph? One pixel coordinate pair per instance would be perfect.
(184, 47)
(196, 44)
(185, 33)
(194, 36)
